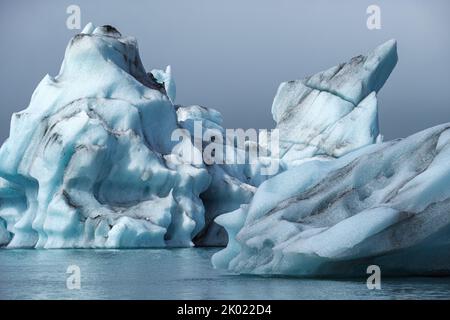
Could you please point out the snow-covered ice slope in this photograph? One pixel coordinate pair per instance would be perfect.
(386, 204)
(89, 163)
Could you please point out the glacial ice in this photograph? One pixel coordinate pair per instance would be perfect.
(165, 78)
(345, 200)
(89, 162)
(335, 111)
(385, 204)
(230, 185)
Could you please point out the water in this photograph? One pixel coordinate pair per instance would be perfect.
(178, 274)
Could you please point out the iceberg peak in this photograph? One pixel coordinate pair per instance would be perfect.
(88, 29)
(354, 80)
(101, 52)
(309, 113)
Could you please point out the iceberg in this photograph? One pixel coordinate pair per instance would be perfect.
(345, 200)
(89, 163)
(335, 111)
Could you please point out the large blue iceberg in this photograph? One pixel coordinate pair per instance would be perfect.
(91, 163)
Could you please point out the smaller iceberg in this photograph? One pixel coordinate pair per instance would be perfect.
(386, 204)
(345, 200)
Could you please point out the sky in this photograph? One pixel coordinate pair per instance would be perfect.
(232, 55)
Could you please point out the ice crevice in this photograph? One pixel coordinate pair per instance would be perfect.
(335, 93)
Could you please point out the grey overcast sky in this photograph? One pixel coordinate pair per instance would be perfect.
(231, 55)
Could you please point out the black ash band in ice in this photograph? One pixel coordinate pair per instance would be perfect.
(90, 164)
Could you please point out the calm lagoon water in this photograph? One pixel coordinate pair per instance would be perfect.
(178, 274)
